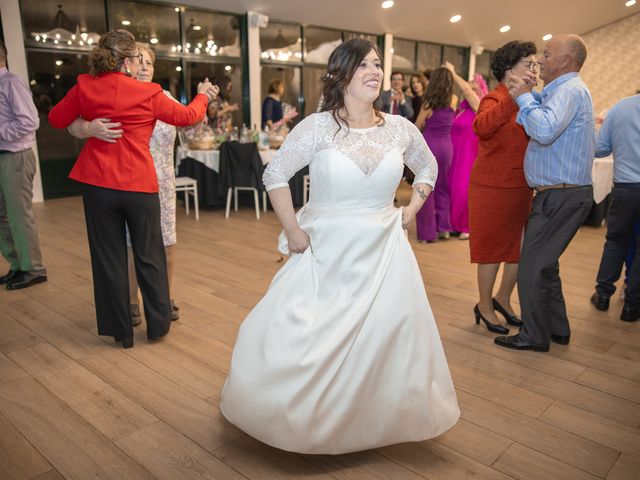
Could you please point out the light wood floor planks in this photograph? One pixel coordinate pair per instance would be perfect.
(74, 406)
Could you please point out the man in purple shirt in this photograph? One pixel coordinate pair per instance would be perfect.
(18, 235)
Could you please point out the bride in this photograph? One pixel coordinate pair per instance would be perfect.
(342, 353)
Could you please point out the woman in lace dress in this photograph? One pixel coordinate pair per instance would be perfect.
(342, 353)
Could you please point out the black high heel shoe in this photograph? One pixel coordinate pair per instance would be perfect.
(511, 319)
(492, 327)
(126, 342)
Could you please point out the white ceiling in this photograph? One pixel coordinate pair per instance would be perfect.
(429, 19)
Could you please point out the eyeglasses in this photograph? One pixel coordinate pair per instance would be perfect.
(140, 57)
(529, 65)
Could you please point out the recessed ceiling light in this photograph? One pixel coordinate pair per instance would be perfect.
(59, 62)
(387, 4)
(547, 37)
(177, 9)
(126, 23)
(178, 68)
(455, 18)
(505, 28)
(153, 40)
(630, 3)
(197, 27)
(228, 68)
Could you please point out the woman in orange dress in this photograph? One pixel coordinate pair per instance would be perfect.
(499, 197)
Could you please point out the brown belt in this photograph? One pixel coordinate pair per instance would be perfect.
(552, 187)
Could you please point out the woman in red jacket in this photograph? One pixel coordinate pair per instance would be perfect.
(499, 197)
(120, 183)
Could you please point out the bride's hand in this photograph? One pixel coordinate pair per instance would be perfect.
(298, 240)
(408, 214)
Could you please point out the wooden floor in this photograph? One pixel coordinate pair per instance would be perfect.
(74, 406)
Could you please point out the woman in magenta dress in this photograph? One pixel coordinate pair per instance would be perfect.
(435, 120)
(465, 150)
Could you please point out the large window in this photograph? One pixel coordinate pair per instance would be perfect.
(483, 66)
(404, 54)
(281, 42)
(50, 77)
(292, 82)
(63, 24)
(429, 56)
(156, 25)
(319, 43)
(196, 71)
(211, 34)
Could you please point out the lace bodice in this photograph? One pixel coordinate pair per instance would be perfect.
(366, 148)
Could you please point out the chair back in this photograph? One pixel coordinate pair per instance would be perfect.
(240, 165)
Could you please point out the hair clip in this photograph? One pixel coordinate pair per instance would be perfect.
(329, 75)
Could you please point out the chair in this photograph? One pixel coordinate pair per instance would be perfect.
(305, 189)
(189, 186)
(241, 170)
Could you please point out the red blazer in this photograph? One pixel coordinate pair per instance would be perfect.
(502, 144)
(126, 164)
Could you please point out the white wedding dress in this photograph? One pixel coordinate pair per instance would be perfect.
(342, 353)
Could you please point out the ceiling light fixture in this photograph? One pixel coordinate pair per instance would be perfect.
(505, 28)
(153, 40)
(455, 18)
(178, 68)
(630, 3)
(197, 28)
(387, 4)
(177, 9)
(126, 23)
(547, 37)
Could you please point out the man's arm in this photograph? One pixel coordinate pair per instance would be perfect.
(406, 109)
(603, 137)
(546, 123)
(26, 116)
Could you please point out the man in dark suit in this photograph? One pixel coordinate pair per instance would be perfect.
(394, 100)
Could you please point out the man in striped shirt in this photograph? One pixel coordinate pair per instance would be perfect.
(557, 166)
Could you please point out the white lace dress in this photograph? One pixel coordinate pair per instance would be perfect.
(342, 353)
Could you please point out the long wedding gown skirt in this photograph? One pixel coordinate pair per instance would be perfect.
(342, 353)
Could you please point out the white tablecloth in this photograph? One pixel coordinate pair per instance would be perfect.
(211, 158)
(602, 175)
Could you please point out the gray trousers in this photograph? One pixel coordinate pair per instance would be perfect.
(556, 215)
(18, 234)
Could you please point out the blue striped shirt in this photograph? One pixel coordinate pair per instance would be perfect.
(620, 134)
(561, 126)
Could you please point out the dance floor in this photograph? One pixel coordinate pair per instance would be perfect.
(73, 405)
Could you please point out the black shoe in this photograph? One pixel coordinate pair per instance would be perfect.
(561, 339)
(516, 343)
(630, 314)
(24, 279)
(492, 327)
(4, 279)
(511, 319)
(127, 342)
(136, 316)
(601, 303)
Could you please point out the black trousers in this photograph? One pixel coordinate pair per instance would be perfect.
(556, 215)
(106, 212)
(624, 213)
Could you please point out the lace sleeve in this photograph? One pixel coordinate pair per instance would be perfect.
(418, 156)
(295, 153)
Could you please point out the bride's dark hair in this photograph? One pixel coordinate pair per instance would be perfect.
(343, 63)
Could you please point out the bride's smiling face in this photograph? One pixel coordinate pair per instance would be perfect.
(367, 80)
